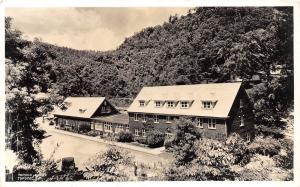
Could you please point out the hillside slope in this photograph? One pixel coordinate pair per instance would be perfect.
(207, 43)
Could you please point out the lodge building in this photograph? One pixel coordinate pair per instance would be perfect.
(217, 109)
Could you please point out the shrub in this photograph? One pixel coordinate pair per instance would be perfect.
(155, 139)
(266, 146)
(92, 133)
(112, 165)
(125, 137)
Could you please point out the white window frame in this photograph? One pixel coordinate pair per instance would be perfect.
(184, 104)
(136, 132)
(207, 104)
(168, 119)
(170, 104)
(127, 128)
(212, 123)
(107, 127)
(242, 121)
(144, 118)
(200, 122)
(142, 103)
(155, 117)
(143, 133)
(136, 117)
(241, 103)
(248, 137)
(158, 104)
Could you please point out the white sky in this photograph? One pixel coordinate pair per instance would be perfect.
(87, 28)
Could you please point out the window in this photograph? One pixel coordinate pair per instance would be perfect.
(168, 119)
(248, 137)
(142, 103)
(158, 104)
(107, 127)
(143, 133)
(200, 122)
(82, 110)
(241, 103)
(184, 104)
(170, 104)
(127, 128)
(212, 123)
(208, 104)
(136, 132)
(242, 121)
(155, 118)
(136, 117)
(106, 109)
(144, 118)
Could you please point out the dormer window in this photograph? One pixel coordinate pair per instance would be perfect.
(82, 110)
(170, 104)
(208, 104)
(142, 103)
(158, 104)
(184, 104)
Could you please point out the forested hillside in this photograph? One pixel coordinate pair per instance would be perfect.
(207, 43)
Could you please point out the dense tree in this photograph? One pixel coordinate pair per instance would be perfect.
(27, 74)
(183, 142)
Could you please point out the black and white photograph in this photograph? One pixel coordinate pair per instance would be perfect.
(118, 94)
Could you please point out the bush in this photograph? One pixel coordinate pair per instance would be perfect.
(92, 133)
(155, 139)
(266, 146)
(125, 137)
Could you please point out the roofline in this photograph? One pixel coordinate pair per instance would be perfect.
(59, 115)
(237, 82)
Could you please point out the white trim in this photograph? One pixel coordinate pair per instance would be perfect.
(142, 103)
(136, 117)
(242, 124)
(171, 102)
(212, 123)
(199, 121)
(136, 132)
(155, 117)
(160, 104)
(143, 133)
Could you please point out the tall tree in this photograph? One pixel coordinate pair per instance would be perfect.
(26, 77)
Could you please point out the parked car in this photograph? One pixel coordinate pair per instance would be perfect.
(67, 164)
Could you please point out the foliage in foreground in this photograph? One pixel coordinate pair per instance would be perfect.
(112, 165)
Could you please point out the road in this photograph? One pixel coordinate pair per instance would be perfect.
(82, 149)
